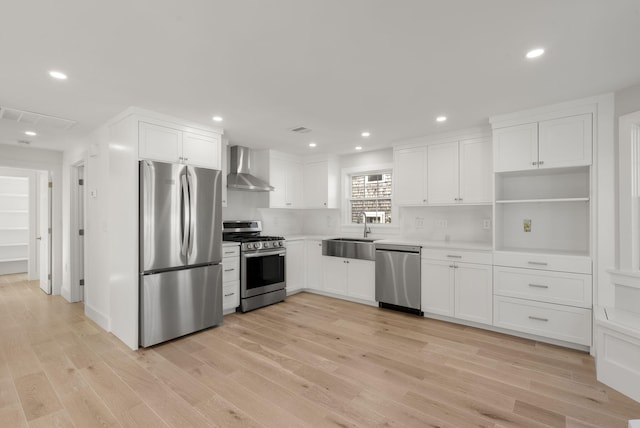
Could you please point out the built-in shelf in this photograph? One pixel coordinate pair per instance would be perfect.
(14, 211)
(14, 228)
(15, 244)
(530, 201)
(13, 195)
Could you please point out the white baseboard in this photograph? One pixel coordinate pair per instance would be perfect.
(97, 317)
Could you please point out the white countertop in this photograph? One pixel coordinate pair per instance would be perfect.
(396, 240)
(230, 244)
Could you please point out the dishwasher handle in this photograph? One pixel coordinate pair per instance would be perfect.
(399, 248)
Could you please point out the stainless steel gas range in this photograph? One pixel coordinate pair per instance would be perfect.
(262, 264)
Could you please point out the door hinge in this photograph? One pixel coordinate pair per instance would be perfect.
(82, 283)
(80, 182)
(49, 277)
(49, 230)
(50, 184)
(81, 232)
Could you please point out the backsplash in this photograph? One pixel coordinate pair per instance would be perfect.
(281, 222)
(471, 223)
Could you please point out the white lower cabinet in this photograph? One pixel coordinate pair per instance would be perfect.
(544, 294)
(544, 319)
(457, 289)
(294, 274)
(230, 277)
(349, 277)
(313, 264)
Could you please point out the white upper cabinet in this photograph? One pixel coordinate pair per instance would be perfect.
(476, 171)
(321, 184)
(515, 148)
(410, 176)
(551, 143)
(286, 176)
(459, 172)
(565, 142)
(442, 173)
(166, 144)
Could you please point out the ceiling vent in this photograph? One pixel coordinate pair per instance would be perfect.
(31, 118)
(300, 129)
(25, 142)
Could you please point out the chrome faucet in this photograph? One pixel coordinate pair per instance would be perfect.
(367, 230)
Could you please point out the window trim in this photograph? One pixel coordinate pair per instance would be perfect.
(346, 191)
(629, 191)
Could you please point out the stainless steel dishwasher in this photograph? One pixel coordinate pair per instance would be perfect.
(398, 277)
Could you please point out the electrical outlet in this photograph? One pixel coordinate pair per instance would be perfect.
(526, 225)
(441, 224)
(419, 223)
(486, 223)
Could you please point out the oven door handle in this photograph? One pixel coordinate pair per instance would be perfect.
(264, 253)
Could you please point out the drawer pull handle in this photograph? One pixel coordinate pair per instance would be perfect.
(538, 318)
(453, 256)
(229, 295)
(229, 270)
(538, 263)
(538, 286)
(229, 252)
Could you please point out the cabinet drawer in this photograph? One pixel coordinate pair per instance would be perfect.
(543, 319)
(230, 295)
(554, 287)
(484, 258)
(553, 262)
(230, 269)
(233, 251)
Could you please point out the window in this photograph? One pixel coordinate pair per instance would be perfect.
(370, 193)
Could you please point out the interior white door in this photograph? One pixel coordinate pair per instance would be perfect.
(44, 233)
(81, 230)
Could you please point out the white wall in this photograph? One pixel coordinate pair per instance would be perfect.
(376, 157)
(463, 223)
(49, 160)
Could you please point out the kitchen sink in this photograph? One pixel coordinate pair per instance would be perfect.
(351, 248)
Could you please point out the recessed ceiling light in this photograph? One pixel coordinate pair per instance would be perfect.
(217, 119)
(535, 53)
(30, 133)
(441, 119)
(366, 134)
(358, 147)
(58, 75)
(312, 144)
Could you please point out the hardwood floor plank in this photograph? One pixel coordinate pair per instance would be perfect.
(59, 419)
(37, 396)
(309, 361)
(13, 416)
(86, 409)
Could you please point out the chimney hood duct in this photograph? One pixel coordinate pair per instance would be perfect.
(240, 176)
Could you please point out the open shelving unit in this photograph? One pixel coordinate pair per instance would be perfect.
(556, 204)
(14, 224)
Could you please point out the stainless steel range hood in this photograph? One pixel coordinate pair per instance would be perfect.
(240, 172)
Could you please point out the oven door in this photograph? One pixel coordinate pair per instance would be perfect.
(262, 272)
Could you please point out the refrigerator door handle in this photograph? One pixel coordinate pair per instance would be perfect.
(186, 214)
(192, 211)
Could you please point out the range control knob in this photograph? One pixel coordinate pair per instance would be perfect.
(280, 244)
(265, 244)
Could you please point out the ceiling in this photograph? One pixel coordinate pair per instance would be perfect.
(337, 67)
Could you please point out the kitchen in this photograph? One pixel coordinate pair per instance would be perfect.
(479, 226)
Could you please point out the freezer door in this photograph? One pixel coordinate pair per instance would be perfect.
(162, 216)
(179, 302)
(205, 231)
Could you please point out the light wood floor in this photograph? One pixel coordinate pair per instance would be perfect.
(310, 361)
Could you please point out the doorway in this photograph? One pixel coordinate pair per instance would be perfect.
(25, 221)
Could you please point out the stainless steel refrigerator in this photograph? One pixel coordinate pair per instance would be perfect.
(180, 250)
